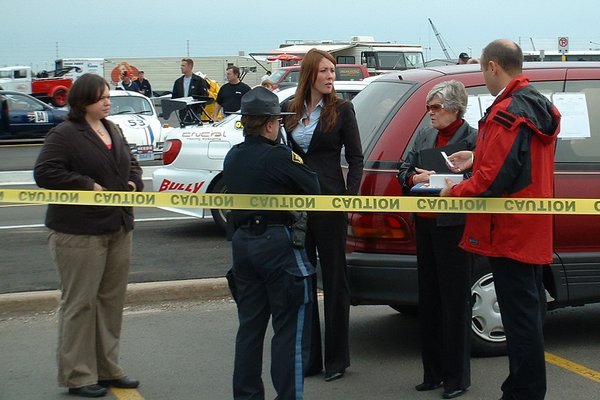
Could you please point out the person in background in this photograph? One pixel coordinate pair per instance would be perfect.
(213, 91)
(444, 269)
(514, 158)
(90, 245)
(230, 94)
(271, 275)
(144, 84)
(189, 85)
(267, 84)
(473, 61)
(463, 58)
(321, 126)
(266, 76)
(127, 83)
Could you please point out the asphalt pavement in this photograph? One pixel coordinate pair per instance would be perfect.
(184, 350)
(178, 339)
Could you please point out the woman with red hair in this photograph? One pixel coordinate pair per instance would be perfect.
(323, 124)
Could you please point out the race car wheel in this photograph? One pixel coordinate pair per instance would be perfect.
(59, 98)
(219, 215)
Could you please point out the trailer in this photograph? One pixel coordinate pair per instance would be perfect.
(378, 57)
(162, 72)
(81, 66)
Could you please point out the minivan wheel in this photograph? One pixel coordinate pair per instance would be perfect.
(488, 337)
(220, 215)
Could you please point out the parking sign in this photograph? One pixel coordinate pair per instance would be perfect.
(563, 44)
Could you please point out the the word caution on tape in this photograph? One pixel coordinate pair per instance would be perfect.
(305, 202)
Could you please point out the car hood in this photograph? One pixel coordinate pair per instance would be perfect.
(139, 129)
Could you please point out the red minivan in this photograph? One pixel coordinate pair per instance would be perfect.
(382, 264)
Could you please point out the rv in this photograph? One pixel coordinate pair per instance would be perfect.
(378, 57)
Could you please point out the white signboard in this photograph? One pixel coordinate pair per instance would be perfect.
(574, 123)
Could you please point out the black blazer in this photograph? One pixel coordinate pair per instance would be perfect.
(198, 87)
(74, 158)
(324, 153)
(465, 137)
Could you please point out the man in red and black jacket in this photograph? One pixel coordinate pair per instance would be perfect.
(513, 158)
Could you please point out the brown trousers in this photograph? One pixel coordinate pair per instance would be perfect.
(93, 273)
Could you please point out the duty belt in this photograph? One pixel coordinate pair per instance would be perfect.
(266, 220)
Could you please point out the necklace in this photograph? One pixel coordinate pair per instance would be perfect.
(99, 131)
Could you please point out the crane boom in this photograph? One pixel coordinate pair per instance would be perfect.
(439, 39)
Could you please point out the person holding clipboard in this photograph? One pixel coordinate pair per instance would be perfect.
(444, 269)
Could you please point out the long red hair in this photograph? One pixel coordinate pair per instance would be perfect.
(309, 70)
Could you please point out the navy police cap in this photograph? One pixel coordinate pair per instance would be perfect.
(261, 101)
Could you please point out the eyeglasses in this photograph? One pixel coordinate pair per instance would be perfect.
(434, 107)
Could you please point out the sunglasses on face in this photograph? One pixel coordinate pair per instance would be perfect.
(434, 107)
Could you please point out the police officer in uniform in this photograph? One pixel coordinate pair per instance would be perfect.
(271, 274)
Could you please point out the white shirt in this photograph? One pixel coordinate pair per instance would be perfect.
(303, 134)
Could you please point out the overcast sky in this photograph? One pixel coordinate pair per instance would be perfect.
(36, 32)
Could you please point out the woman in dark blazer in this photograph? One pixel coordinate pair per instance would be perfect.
(444, 269)
(321, 126)
(90, 245)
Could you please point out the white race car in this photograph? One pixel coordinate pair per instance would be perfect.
(137, 117)
(193, 155)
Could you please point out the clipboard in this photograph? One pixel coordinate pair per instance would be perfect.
(424, 188)
(432, 159)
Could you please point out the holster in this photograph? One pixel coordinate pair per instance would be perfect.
(299, 227)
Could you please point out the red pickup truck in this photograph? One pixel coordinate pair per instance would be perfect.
(47, 88)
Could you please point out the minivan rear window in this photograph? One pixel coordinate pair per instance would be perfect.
(374, 106)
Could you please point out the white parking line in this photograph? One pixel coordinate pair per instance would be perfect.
(136, 220)
(15, 178)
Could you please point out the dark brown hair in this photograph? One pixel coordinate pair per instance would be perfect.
(253, 123)
(234, 69)
(309, 70)
(86, 90)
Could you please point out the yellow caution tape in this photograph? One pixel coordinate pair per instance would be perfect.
(305, 202)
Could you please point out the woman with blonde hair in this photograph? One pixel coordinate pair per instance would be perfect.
(321, 126)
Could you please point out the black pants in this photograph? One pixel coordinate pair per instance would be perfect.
(270, 278)
(327, 236)
(444, 272)
(522, 301)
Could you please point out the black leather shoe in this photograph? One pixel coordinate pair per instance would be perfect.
(123, 383)
(332, 376)
(88, 391)
(453, 393)
(422, 387)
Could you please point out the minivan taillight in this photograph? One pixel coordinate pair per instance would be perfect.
(171, 151)
(379, 232)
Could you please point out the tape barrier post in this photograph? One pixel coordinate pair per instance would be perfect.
(305, 202)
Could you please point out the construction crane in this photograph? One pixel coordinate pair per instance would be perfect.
(439, 39)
